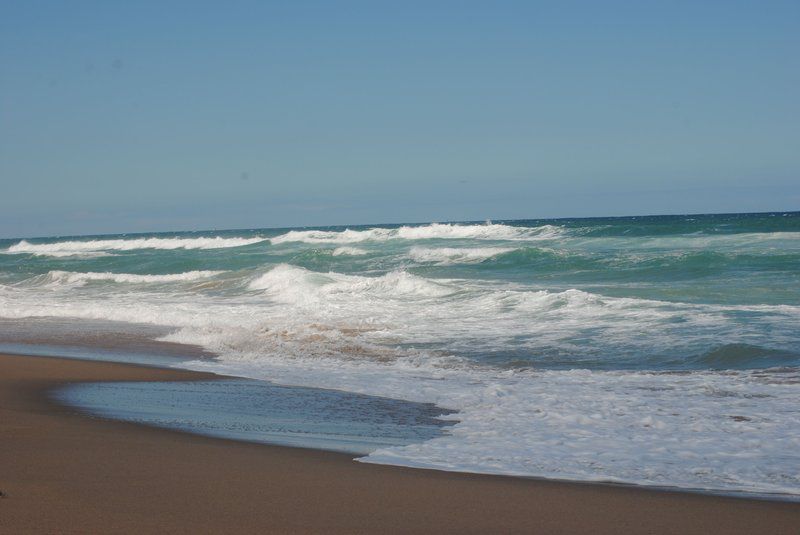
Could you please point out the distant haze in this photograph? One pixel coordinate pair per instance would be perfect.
(124, 117)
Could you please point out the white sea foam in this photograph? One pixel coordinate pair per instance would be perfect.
(70, 277)
(445, 256)
(489, 231)
(702, 430)
(67, 254)
(455, 316)
(67, 248)
(348, 251)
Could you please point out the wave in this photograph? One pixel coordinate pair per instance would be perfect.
(445, 256)
(290, 283)
(629, 263)
(757, 242)
(348, 251)
(489, 231)
(67, 248)
(67, 254)
(77, 278)
(745, 356)
(499, 324)
(326, 236)
(553, 260)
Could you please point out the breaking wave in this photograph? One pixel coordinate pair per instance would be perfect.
(445, 256)
(348, 251)
(70, 277)
(489, 231)
(290, 283)
(67, 248)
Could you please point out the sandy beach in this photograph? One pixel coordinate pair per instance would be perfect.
(65, 472)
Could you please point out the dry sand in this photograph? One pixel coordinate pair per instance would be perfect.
(65, 472)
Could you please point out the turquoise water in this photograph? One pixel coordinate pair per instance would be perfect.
(659, 350)
(739, 261)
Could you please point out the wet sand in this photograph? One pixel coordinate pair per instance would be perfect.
(65, 472)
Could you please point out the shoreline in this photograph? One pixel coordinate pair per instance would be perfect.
(213, 376)
(66, 471)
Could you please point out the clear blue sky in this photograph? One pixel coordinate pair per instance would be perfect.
(139, 116)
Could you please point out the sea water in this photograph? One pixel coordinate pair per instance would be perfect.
(659, 350)
(257, 411)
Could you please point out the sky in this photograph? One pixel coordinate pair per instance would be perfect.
(156, 116)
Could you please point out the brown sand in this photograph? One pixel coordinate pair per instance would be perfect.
(64, 472)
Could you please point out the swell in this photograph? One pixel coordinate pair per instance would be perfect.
(699, 224)
(744, 356)
(629, 264)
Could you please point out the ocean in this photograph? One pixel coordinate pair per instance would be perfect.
(659, 350)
